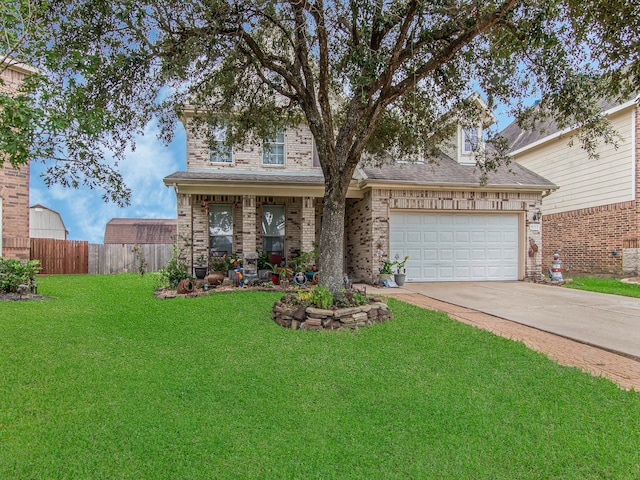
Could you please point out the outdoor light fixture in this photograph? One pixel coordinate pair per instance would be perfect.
(537, 215)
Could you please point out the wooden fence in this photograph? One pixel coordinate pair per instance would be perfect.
(117, 258)
(61, 256)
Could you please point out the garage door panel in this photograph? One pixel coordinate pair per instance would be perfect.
(456, 246)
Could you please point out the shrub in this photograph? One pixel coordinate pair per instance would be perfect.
(322, 297)
(175, 270)
(15, 272)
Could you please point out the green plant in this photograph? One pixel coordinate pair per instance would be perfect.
(201, 260)
(387, 266)
(16, 272)
(218, 264)
(263, 260)
(400, 264)
(175, 270)
(322, 297)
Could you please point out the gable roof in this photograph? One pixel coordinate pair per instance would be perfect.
(519, 139)
(141, 230)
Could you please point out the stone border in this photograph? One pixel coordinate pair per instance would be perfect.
(311, 318)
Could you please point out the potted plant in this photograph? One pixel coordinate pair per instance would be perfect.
(217, 266)
(400, 275)
(276, 271)
(386, 271)
(200, 267)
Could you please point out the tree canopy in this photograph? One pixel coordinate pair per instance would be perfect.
(371, 78)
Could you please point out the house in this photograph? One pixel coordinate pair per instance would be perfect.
(593, 219)
(46, 223)
(140, 230)
(14, 183)
(269, 198)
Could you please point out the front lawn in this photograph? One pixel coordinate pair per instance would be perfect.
(105, 381)
(605, 285)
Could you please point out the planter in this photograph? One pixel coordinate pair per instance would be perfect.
(215, 278)
(275, 279)
(400, 278)
(185, 286)
(200, 271)
(383, 277)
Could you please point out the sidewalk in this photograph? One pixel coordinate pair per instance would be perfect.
(596, 361)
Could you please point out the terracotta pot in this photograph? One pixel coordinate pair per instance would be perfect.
(185, 286)
(215, 278)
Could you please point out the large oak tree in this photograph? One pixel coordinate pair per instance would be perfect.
(371, 78)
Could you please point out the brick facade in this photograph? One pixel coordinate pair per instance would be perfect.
(301, 229)
(298, 153)
(368, 222)
(14, 194)
(587, 238)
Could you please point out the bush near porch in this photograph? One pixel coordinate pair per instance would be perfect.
(105, 381)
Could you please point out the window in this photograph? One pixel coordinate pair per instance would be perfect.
(316, 157)
(273, 219)
(273, 150)
(220, 229)
(471, 139)
(221, 153)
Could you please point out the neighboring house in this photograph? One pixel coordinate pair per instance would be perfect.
(46, 223)
(140, 230)
(269, 198)
(593, 219)
(14, 183)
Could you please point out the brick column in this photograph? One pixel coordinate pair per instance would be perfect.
(308, 214)
(185, 228)
(249, 232)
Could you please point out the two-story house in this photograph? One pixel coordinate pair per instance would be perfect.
(269, 198)
(593, 219)
(14, 183)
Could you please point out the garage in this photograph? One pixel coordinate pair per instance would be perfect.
(456, 246)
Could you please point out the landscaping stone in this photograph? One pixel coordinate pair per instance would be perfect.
(290, 315)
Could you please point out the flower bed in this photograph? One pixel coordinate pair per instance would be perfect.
(288, 314)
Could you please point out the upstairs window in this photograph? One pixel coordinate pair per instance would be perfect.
(471, 139)
(220, 230)
(273, 150)
(221, 153)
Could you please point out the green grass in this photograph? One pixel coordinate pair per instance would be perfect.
(605, 285)
(105, 381)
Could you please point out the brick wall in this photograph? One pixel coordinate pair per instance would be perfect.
(14, 192)
(298, 153)
(193, 222)
(368, 222)
(586, 238)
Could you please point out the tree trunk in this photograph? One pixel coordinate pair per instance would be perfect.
(332, 235)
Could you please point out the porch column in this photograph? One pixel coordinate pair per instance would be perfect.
(249, 232)
(308, 223)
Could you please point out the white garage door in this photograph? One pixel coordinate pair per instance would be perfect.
(456, 246)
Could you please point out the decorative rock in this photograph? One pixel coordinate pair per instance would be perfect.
(287, 314)
(343, 312)
(299, 313)
(319, 311)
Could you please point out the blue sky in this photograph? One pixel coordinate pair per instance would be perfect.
(84, 212)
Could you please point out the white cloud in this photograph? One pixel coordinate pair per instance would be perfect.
(84, 212)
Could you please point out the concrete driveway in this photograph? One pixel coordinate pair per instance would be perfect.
(611, 322)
